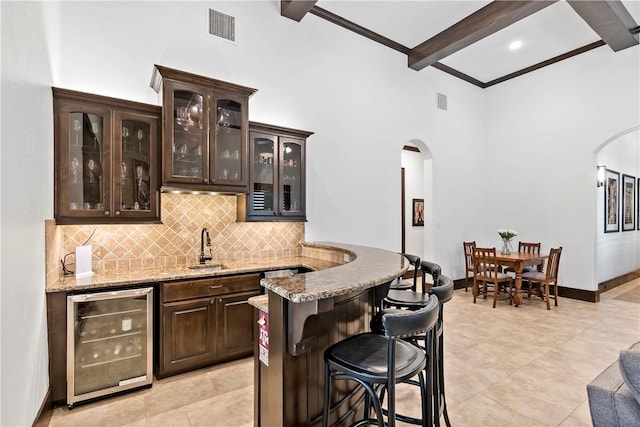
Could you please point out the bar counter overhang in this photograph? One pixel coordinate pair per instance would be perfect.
(306, 314)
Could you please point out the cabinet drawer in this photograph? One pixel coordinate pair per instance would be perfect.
(209, 287)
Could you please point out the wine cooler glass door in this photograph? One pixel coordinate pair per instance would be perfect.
(109, 343)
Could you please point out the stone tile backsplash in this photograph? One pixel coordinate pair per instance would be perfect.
(176, 241)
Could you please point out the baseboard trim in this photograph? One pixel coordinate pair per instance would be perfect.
(45, 412)
(607, 285)
(579, 294)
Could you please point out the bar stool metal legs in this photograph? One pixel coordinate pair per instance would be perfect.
(378, 362)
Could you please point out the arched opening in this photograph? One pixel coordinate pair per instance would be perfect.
(416, 198)
(617, 207)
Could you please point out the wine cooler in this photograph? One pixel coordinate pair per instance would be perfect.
(109, 343)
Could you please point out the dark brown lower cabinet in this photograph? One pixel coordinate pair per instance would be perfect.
(205, 321)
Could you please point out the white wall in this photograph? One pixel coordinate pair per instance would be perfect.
(542, 131)
(617, 253)
(539, 130)
(26, 194)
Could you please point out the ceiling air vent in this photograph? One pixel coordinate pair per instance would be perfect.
(442, 101)
(222, 25)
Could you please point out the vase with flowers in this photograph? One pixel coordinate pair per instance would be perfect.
(506, 236)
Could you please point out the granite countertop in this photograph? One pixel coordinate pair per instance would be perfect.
(370, 268)
(364, 267)
(163, 274)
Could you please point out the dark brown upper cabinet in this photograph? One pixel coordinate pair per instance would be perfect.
(106, 159)
(205, 138)
(277, 175)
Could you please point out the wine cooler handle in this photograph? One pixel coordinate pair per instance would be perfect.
(109, 295)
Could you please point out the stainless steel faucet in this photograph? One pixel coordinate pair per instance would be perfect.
(203, 257)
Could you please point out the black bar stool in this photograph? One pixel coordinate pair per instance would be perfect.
(412, 299)
(400, 284)
(443, 290)
(375, 361)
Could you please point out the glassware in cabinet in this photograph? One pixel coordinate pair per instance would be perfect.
(96, 141)
(277, 179)
(204, 149)
(188, 149)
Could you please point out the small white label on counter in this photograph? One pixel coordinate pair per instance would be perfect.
(263, 337)
(83, 261)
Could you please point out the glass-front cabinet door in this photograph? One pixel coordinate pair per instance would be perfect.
(229, 140)
(264, 168)
(277, 175)
(292, 177)
(205, 127)
(106, 159)
(187, 162)
(84, 160)
(135, 152)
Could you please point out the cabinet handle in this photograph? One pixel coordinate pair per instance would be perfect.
(212, 302)
(215, 286)
(117, 213)
(220, 300)
(106, 213)
(206, 181)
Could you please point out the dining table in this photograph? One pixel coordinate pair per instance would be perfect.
(518, 261)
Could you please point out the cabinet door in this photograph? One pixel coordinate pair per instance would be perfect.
(263, 192)
(135, 172)
(83, 175)
(186, 123)
(292, 182)
(229, 140)
(235, 326)
(188, 334)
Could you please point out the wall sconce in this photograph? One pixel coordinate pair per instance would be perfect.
(601, 173)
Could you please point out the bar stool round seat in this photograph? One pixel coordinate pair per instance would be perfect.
(377, 361)
(413, 299)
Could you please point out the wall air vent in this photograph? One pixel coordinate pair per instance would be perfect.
(222, 25)
(442, 101)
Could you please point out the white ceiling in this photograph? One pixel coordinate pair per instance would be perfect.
(550, 32)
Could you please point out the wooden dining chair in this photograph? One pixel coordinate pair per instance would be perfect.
(468, 262)
(487, 274)
(543, 280)
(529, 248)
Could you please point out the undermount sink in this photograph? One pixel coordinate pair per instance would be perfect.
(208, 267)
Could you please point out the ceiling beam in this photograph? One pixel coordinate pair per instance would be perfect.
(610, 20)
(492, 18)
(296, 9)
(358, 29)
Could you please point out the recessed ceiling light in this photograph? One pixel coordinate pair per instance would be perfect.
(515, 45)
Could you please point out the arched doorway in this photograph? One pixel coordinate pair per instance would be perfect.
(618, 247)
(416, 194)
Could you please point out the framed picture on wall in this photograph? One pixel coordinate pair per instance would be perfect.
(638, 204)
(628, 202)
(418, 212)
(611, 203)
